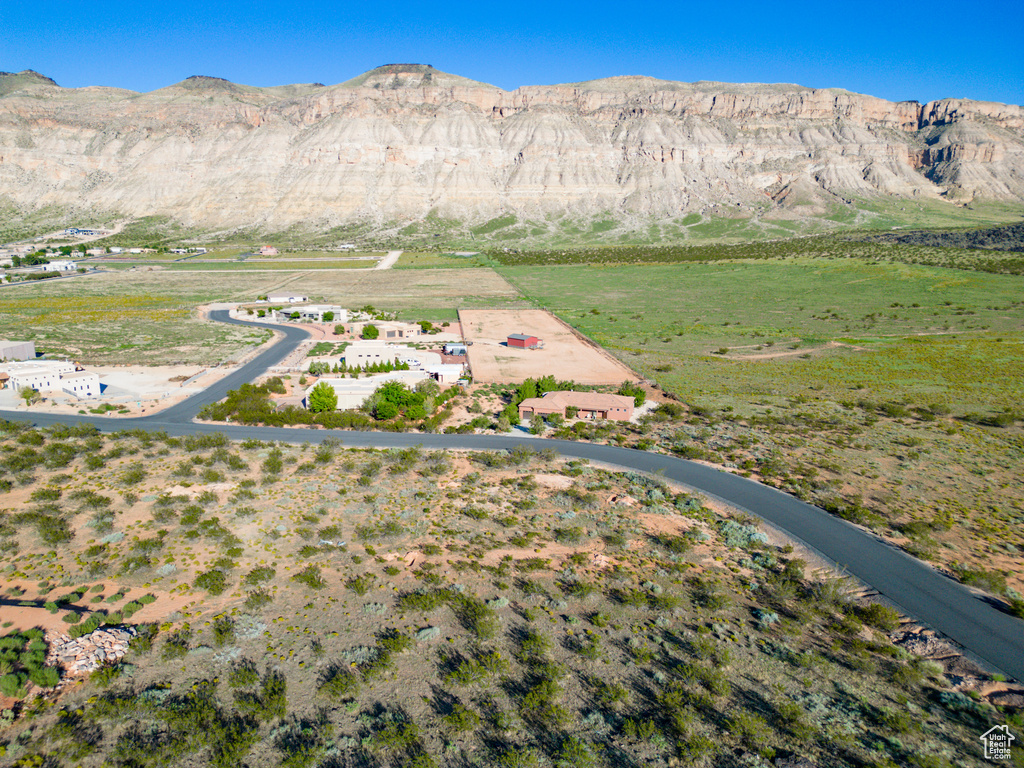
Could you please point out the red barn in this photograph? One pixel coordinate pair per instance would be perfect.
(522, 341)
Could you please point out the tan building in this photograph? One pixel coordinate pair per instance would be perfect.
(589, 405)
(17, 350)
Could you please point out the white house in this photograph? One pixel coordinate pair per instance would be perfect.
(60, 266)
(448, 373)
(352, 393)
(287, 298)
(316, 312)
(41, 377)
(80, 383)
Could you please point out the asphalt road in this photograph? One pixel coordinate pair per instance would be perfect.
(986, 633)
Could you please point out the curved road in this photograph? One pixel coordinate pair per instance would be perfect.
(988, 634)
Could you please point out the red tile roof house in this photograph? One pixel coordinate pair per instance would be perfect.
(590, 405)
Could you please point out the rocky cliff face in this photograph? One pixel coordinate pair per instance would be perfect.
(401, 141)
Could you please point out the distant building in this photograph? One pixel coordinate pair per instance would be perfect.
(287, 298)
(522, 341)
(589, 405)
(41, 375)
(316, 312)
(269, 250)
(352, 393)
(44, 375)
(17, 350)
(455, 349)
(60, 266)
(360, 353)
(80, 383)
(391, 330)
(446, 373)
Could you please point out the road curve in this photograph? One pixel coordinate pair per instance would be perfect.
(993, 637)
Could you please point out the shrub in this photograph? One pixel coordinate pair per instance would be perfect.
(243, 675)
(310, 576)
(880, 616)
(213, 581)
(339, 683)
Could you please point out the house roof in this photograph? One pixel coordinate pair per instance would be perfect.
(588, 401)
(521, 336)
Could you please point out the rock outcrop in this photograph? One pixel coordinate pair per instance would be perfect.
(89, 652)
(401, 141)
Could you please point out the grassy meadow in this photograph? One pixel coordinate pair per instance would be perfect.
(887, 392)
(313, 606)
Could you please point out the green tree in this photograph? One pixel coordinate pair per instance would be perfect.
(537, 424)
(323, 398)
(328, 316)
(339, 330)
(370, 331)
(29, 395)
(629, 389)
(295, 315)
(386, 410)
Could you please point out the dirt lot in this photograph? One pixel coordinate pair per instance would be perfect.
(566, 354)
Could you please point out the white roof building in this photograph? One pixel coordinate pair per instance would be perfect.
(287, 297)
(60, 266)
(81, 383)
(448, 373)
(352, 393)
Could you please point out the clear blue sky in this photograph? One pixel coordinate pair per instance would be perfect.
(887, 49)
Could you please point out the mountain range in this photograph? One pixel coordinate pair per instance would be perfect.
(405, 142)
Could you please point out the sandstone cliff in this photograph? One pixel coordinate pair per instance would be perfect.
(404, 140)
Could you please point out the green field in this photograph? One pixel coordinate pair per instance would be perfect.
(425, 260)
(907, 330)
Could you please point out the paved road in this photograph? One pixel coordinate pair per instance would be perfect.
(988, 634)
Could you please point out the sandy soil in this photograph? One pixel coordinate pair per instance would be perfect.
(566, 354)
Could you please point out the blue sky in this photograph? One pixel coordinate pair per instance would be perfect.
(886, 49)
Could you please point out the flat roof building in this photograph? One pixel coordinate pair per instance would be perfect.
(352, 393)
(588, 405)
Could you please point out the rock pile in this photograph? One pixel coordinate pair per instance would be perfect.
(88, 652)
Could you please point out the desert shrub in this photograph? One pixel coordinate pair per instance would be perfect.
(880, 616)
(257, 599)
(176, 646)
(361, 584)
(310, 576)
(223, 630)
(258, 575)
(243, 675)
(213, 581)
(460, 719)
(339, 683)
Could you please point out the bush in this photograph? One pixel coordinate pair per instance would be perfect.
(880, 616)
(213, 581)
(12, 685)
(310, 576)
(338, 684)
